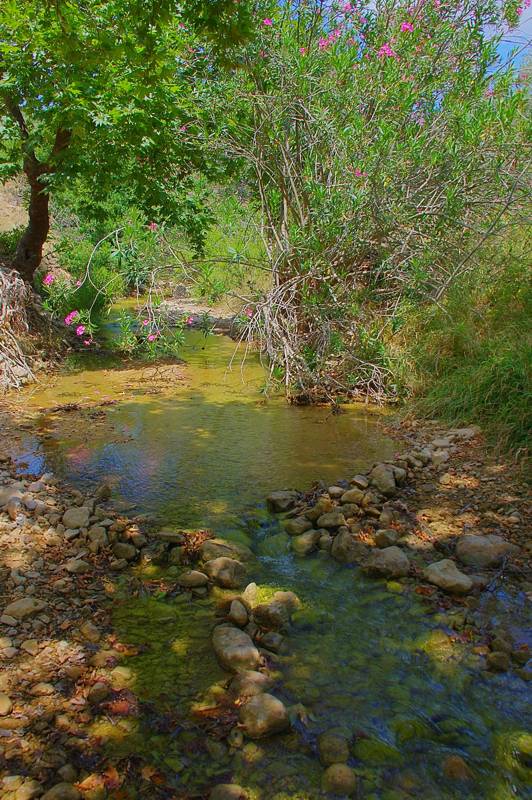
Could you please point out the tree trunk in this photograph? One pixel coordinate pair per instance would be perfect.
(29, 250)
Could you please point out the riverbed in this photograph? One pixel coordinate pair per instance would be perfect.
(202, 449)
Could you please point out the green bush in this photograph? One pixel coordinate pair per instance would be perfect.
(9, 241)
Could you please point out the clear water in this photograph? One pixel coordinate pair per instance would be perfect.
(362, 656)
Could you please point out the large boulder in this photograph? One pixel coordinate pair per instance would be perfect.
(391, 562)
(76, 517)
(263, 715)
(382, 478)
(226, 572)
(215, 548)
(306, 543)
(483, 551)
(339, 779)
(297, 526)
(24, 608)
(448, 577)
(234, 649)
(282, 500)
(347, 548)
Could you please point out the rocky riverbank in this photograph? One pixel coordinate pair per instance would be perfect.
(441, 520)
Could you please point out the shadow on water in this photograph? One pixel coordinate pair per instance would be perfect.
(363, 656)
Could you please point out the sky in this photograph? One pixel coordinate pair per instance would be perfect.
(519, 37)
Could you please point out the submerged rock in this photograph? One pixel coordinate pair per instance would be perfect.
(228, 791)
(216, 548)
(333, 748)
(234, 649)
(455, 769)
(306, 543)
(263, 715)
(483, 551)
(447, 576)
(226, 572)
(282, 500)
(391, 562)
(339, 779)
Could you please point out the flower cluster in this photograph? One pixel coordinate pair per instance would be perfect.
(69, 319)
(48, 279)
(325, 42)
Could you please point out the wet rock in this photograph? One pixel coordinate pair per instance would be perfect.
(263, 715)
(234, 649)
(455, 769)
(276, 613)
(483, 551)
(62, 791)
(391, 562)
(354, 495)
(170, 536)
(192, 579)
(333, 748)
(382, 478)
(77, 517)
(387, 537)
(325, 541)
(333, 519)
(306, 543)
(448, 577)
(297, 526)
(226, 572)
(238, 614)
(250, 683)
(282, 500)
(217, 548)
(323, 506)
(77, 566)
(125, 550)
(24, 608)
(339, 779)
(272, 641)
(498, 661)
(336, 492)
(347, 548)
(5, 704)
(228, 791)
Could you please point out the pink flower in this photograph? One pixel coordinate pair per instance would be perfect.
(189, 321)
(80, 330)
(407, 26)
(323, 43)
(267, 22)
(69, 319)
(303, 51)
(519, 11)
(359, 173)
(87, 342)
(79, 283)
(153, 226)
(145, 322)
(152, 337)
(183, 128)
(248, 312)
(48, 279)
(386, 52)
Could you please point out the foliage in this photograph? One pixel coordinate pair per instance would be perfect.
(8, 242)
(383, 141)
(469, 360)
(109, 94)
(147, 338)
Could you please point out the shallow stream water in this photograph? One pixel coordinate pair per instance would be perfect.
(363, 656)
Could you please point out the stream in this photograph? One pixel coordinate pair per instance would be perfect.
(362, 657)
